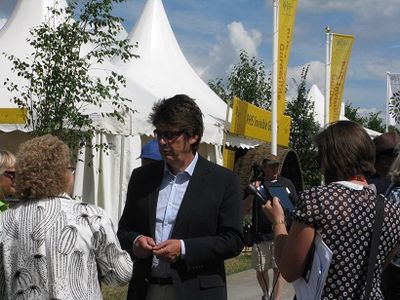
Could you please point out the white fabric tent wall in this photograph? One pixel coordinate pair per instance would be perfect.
(105, 181)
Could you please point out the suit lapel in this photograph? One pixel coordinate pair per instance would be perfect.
(194, 188)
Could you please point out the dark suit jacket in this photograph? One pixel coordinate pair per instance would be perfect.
(209, 222)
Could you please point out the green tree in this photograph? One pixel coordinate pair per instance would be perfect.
(61, 83)
(352, 114)
(246, 81)
(372, 120)
(375, 122)
(303, 129)
(217, 85)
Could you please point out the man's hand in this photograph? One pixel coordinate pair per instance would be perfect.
(168, 251)
(143, 246)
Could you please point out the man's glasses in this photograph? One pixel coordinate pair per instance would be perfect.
(9, 174)
(168, 136)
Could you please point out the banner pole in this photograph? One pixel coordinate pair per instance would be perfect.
(226, 129)
(327, 75)
(387, 101)
(274, 102)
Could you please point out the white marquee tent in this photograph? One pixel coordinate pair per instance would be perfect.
(164, 70)
(164, 73)
(316, 96)
(106, 187)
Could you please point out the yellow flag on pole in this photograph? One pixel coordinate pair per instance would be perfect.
(287, 16)
(340, 56)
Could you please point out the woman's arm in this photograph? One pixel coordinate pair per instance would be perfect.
(291, 250)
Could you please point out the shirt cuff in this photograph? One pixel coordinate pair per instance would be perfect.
(134, 241)
(183, 249)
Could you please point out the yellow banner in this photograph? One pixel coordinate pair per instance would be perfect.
(229, 158)
(251, 121)
(287, 16)
(340, 56)
(12, 116)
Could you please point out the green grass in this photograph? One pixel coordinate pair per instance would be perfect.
(238, 264)
(233, 265)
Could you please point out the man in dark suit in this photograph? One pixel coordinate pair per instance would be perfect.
(183, 215)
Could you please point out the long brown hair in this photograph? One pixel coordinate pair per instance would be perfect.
(345, 150)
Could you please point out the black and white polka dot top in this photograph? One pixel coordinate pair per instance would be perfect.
(343, 213)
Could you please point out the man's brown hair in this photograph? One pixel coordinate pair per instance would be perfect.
(180, 112)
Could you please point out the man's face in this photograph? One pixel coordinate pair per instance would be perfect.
(271, 172)
(175, 146)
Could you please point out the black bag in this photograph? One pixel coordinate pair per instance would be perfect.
(249, 234)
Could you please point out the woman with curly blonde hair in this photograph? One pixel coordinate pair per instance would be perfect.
(52, 246)
(7, 175)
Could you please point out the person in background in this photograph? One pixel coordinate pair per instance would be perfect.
(150, 152)
(262, 256)
(342, 212)
(53, 247)
(7, 176)
(386, 153)
(183, 215)
(391, 274)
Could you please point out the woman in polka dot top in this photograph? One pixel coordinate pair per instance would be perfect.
(342, 212)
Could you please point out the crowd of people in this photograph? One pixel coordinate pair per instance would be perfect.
(183, 218)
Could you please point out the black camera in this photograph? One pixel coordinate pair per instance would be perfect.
(257, 173)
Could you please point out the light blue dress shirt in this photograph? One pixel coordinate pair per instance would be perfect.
(172, 190)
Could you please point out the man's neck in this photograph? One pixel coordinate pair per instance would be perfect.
(177, 167)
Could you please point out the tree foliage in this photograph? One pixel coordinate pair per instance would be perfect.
(61, 72)
(246, 81)
(372, 120)
(302, 131)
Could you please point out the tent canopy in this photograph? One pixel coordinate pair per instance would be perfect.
(163, 69)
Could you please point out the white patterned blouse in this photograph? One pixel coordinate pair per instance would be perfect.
(59, 248)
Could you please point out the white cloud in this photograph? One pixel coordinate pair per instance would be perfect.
(226, 51)
(241, 39)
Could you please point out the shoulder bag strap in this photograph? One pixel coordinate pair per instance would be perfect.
(380, 203)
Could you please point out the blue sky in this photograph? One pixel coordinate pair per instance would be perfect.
(211, 34)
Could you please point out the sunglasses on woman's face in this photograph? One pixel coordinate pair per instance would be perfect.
(9, 174)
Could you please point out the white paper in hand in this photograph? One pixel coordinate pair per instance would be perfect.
(311, 288)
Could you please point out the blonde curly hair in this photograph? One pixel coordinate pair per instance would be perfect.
(7, 160)
(41, 168)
